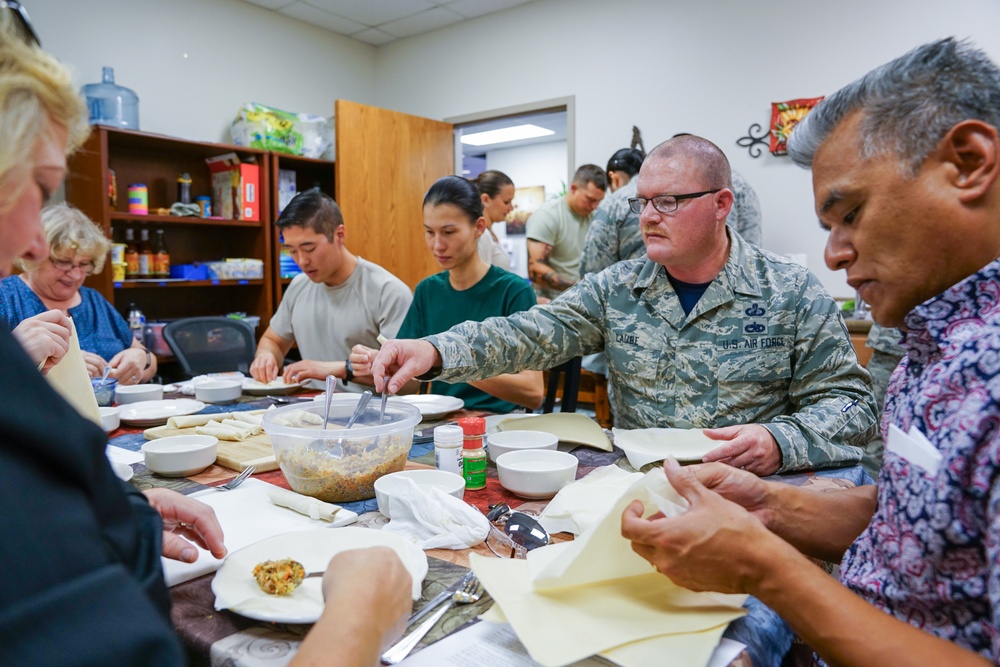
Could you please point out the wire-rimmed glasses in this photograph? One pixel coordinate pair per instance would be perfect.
(513, 534)
(665, 203)
(66, 265)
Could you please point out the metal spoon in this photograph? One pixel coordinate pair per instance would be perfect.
(385, 397)
(362, 404)
(331, 382)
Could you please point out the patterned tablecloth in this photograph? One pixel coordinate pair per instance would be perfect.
(227, 639)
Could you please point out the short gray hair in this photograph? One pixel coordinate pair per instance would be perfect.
(908, 104)
(69, 229)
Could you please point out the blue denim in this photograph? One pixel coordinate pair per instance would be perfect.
(766, 635)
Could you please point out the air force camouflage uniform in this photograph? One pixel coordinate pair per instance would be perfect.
(614, 232)
(765, 344)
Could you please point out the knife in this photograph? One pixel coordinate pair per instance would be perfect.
(438, 599)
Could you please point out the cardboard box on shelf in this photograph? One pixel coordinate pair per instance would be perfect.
(235, 188)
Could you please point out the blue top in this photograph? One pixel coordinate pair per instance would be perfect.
(100, 328)
(437, 306)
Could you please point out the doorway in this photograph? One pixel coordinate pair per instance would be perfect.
(540, 166)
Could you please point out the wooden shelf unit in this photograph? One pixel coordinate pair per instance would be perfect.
(156, 161)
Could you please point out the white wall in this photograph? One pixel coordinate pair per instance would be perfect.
(542, 164)
(236, 53)
(710, 68)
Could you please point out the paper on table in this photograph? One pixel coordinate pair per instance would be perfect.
(246, 515)
(571, 600)
(706, 647)
(646, 445)
(572, 427)
(70, 379)
(581, 504)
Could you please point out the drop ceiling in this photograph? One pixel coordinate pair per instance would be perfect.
(379, 22)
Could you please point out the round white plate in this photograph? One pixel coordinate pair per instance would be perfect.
(275, 388)
(155, 413)
(433, 406)
(493, 421)
(237, 590)
(123, 471)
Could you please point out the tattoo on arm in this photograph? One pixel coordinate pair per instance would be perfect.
(539, 270)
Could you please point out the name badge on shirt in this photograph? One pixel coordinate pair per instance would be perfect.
(914, 447)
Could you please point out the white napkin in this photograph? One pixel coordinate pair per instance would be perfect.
(581, 504)
(434, 520)
(246, 515)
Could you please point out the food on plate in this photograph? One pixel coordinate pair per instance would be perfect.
(279, 577)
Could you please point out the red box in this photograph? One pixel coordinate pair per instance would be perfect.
(235, 188)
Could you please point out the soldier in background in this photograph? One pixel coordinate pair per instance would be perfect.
(887, 350)
(614, 232)
(707, 332)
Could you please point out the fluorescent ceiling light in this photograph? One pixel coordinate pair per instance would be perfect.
(505, 134)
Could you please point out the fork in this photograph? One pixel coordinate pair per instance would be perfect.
(467, 594)
(239, 479)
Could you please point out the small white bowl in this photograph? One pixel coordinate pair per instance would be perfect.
(502, 442)
(111, 418)
(448, 482)
(536, 473)
(180, 455)
(133, 393)
(218, 391)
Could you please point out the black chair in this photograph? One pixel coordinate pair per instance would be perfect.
(569, 373)
(211, 344)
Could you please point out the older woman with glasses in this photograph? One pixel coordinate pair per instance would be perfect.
(77, 249)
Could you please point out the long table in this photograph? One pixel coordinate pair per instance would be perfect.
(225, 638)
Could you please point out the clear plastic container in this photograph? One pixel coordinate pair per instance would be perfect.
(110, 104)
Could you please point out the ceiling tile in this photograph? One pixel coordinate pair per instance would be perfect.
(472, 8)
(271, 4)
(373, 13)
(374, 36)
(432, 19)
(306, 12)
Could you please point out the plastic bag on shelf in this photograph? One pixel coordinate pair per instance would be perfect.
(266, 128)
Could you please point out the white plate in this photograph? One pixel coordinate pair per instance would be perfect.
(433, 406)
(493, 421)
(123, 471)
(236, 589)
(275, 388)
(155, 413)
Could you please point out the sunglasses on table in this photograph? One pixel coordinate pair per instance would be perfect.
(513, 534)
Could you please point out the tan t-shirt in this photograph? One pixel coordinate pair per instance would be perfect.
(326, 322)
(555, 224)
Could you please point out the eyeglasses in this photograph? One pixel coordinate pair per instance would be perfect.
(23, 22)
(665, 203)
(66, 265)
(513, 534)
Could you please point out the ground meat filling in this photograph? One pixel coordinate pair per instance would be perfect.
(279, 577)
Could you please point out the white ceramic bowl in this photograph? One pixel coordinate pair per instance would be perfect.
(536, 473)
(133, 393)
(180, 455)
(515, 441)
(448, 482)
(218, 391)
(111, 418)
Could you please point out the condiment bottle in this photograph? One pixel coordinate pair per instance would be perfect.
(161, 258)
(448, 448)
(184, 188)
(136, 322)
(145, 255)
(131, 255)
(473, 454)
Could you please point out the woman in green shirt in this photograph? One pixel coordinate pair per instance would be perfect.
(467, 289)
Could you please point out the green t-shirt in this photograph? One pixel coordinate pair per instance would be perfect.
(437, 306)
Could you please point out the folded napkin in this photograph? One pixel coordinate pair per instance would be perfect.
(572, 427)
(646, 445)
(583, 503)
(571, 600)
(246, 515)
(433, 519)
(314, 508)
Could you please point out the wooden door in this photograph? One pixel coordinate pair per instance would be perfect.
(385, 163)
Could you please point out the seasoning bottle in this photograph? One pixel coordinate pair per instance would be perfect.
(473, 454)
(145, 255)
(448, 448)
(136, 322)
(161, 258)
(131, 254)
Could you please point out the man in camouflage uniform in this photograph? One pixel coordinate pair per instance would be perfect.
(707, 332)
(887, 352)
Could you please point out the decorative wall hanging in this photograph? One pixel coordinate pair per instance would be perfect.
(784, 117)
(753, 143)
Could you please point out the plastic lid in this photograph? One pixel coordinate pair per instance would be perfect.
(448, 435)
(472, 425)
